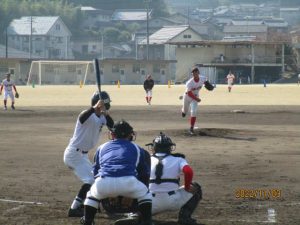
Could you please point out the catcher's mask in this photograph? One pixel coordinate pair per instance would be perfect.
(163, 144)
(104, 96)
(123, 130)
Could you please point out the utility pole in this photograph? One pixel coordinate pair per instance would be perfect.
(30, 38)
(6, 43)
(102, 47)
(147, 4)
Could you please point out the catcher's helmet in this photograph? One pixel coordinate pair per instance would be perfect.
(122, 129)
(104, 96)
(162, 143)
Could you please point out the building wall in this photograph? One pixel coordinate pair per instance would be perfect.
(188, 57)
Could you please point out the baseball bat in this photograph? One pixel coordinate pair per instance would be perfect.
(97, 72)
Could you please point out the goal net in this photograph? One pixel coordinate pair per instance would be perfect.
(61, 73)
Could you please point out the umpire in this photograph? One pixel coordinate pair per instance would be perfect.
(116, 163)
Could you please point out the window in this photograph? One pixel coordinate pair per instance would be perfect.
(59, 39)
(71, 68)
(156, 68)
(94, 47)
(115, 68)
(12, 70)
(187, 36)
(136, 68)
(57, 27)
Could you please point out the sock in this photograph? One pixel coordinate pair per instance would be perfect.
(193, 120)
(145, 210)
(147, 99)
(78, 201)
(5, 102)
(150, 99)
(89, 214)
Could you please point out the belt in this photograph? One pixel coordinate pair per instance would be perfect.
(169, 193)
(83, 152)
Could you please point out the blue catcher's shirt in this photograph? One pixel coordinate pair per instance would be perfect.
(118, 158)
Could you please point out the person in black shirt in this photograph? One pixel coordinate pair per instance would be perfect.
(148, 85)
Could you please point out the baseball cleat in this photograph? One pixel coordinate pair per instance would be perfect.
(191, 131)
(12, 107)
(5, 108)
(76, 212)
(127, 221)
(187, 221)
(183, 114)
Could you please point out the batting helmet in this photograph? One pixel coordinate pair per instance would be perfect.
(163, 144)
(122, 129)
(104, 96)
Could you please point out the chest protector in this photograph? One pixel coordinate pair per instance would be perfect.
(159, 172)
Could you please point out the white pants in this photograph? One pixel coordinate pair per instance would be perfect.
(128, 186)
(230, 83)
(10, 94)
(149, 93)
(80, 164)
(189, 104)
(170, 202)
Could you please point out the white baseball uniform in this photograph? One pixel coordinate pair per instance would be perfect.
(8, 89)
(188, 102)
(85, 137)
(168, 196)
(230, 79)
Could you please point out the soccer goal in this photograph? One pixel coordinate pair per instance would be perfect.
(61, 72)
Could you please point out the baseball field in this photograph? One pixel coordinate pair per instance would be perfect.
(245, 153)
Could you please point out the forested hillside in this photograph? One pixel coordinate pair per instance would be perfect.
(68, 10)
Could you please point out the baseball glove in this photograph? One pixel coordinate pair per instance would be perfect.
(17, 95)
(208, 86)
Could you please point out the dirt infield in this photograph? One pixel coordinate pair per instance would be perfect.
(246, 162)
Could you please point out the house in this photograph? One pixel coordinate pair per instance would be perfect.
(87, 47)
(128, 16)
(295, 36)
(95, 18)
(246, 58)
(17, 67)
(260, 31)
(45, 37)
(290, 15)
(158, 42)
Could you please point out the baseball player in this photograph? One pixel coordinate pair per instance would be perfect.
(115, 169)
(148, 85)
(86, 135)
(191, 96)
(230, 80)
(167, 195)
(9, 85)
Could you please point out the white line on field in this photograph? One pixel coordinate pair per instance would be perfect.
(22, 202)
(15, 208)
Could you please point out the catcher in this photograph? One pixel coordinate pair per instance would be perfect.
(8, 85)
(167, 194)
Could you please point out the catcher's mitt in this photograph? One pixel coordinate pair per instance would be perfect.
(208, 86)
(119, 204)
(17, 95)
